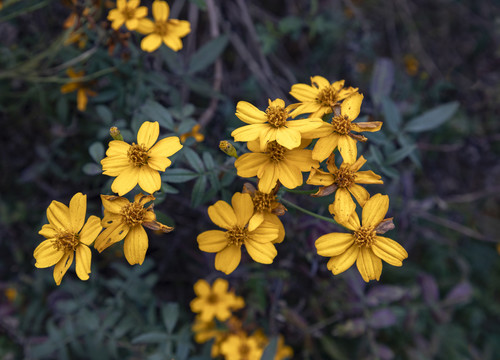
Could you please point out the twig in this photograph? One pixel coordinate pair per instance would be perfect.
(452, 225)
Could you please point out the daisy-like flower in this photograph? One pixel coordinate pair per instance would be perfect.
(275, 163)
(344, 182)
(272, 125)
(363, 246)
(241, 347)
(320, 97)
(128, 13)
(258, 238)
(82, 88)
(68, 236)
(139, 163)
(216, 301)
(124, 220)
(339, 131)
(168, 31)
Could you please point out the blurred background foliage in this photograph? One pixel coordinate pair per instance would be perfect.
(428, 69)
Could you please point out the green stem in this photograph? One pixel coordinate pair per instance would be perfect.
(305, 211)
(302, 192)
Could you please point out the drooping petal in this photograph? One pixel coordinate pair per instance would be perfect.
(161, 10)
(62, 266)
(263, 253)
(343, 206)
(360, 193)
(351, 106)
(135, 245)
(212, 241)
(367, 177)
(222, 214)
(77, 211)
(110, 236)
(90, 230)
(148, 133)
(114, 204)
(228, 259)
(347, 148)
(81, 99)
(339, 264)
(249, 114)
(243, 208)
(166, 147)
(48, 231)
(374, 210)
(368, 264)
(370, 126)
(325, 146)
(149, 179)
(389, 251)
(126, 181)
(151, 42)
(58, 215)
(83, 257)
(46, 254)
(333, 244)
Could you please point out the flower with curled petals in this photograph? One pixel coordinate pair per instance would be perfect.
(128, 13)
(168, 31)
(68, 237)
(363, 246)
(258, 237)
(139, 163)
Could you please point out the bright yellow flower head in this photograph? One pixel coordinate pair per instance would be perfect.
(128, 13)
(82, 88)
(258, 238)
(276, 163)
(168, 31)
(363, 245)
(344, 181)
(216, 301)
(139, 163)
(338, 133)
(67, 235)
(124, 220)
(241, 347)
(320, 97)
(272, 125)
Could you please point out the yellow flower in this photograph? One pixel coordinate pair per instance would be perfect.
(68, 236)
(161, 30)
(241, 347)
(227, 244)
(139, 163)
(194, 133)
(282, 351)
(124, 220)
(276, 163)
(204, 330)
(11, 294)
(363, 245)
(344, 181)
(128, 13)
(82, 88)
(216, 301)
(320, 97)
(338, 133)
(272, 125)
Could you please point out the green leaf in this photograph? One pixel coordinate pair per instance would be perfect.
(382, 80)
(150, 338)
(433, 118)
(92, 169)
(198, 194)
(194, 160)
(170, 314)
(104, 113)
(96, 151)
(400, 154)
(208, 160)
(179, 175)
(392, 115)
(270, 350)
(207, 54)
(156, 112)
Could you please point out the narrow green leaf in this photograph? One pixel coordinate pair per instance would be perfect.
(156, 112)
(392, 115)
(270, 350)
(433, 118)
(170, 314)
(104, 113)
(207, 54)
(208, 160)
(150, 338)
(194, 160)
(177, 176)
(96, 151)
(198, 194)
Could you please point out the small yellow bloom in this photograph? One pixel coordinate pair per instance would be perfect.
(241, 347)
(204, 330)
(124, 220)
(363, 245)
(272, 125)
(194, 133)
(128, 13)
(320, 97)
(163, 30)
(139, 163)
(411, 64)
(10, 292)
(216, 301)
(258, 238)
(68, 236)
(82, 88)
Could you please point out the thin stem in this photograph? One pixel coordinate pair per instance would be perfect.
(303, 192)
(305, 211)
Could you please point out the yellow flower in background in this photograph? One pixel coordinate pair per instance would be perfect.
(320, 97)
(139, 163)
(241, 347)
(216, 301)
(344, 181)
(272, 125)
(363, 245)
(128, 13)
(339, 131)
(125, 221)
(68, 237)
(205, 330)
(81, 87)
(258, 238)
(168, 31)
(276, 163)
(194, 133)
(282, 351)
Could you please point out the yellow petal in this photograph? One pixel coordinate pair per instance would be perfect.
(70, 87)
(58, 215)
(367, 177)
(243, 208)
(266, 232)
(249, 114)
(352, 223)
(339, 264)
(343, 206)
(132, 4)
(83, 257)
(220, 286)
(359, 193)
(132, 24)
(333, 244)
(145, 26)
(351, 106)
(228, 259)
(81, 99)
(172, 41)
(126, 181)
(117, 148)
(247, 165)
(276, 221)
(141, 12)
(289, 175)
(148, 134)
(113, 166)
(212, 241)
(110, 236)
(375, 209)
(46, 254)
(135, 245)
(149, 179)
(90, 230)
(288, 137)
(358, 163)
(301, 159)
(318, 177)
(337, 85)
(325, 146)
(161, 10)
(222, 215)
(114, 204)
(166, 147)
(77, 211)
(304, 92)
(201, 288)
(255, 221)
(249, 132)
(159, 163)
(121, 4)
(370, 126)
(62, 266)
(320, 82)
(389, 251)
(151, 42)
(268, 175)
(48, 231)
(179, 28)
(347, 148)
(263, 253)
(368, 264)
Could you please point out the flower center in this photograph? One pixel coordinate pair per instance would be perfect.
(138, 154)
(276, 116)
(327, 97)
(237, 235)
(341, 124)
(128, 13)
(364, 236)
(212, 299)
(133, 214)
(66, 241)
(275, 151)
(263, 201)
(244, 350)
(161, 28)
(344, 177)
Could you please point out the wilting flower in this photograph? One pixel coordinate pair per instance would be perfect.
(320, 97)
(168, 31)
(81, 87)
(139, 163)
(128, 13)
(276, 163)
(125, 221)
(258, 238)
(241, 347)
(272, 125)
(344, 182)
(194, 133)
(216, 301)
(363, 246)
(68, 236)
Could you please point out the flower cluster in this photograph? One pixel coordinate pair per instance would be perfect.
(214, 306)
(69, 236)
